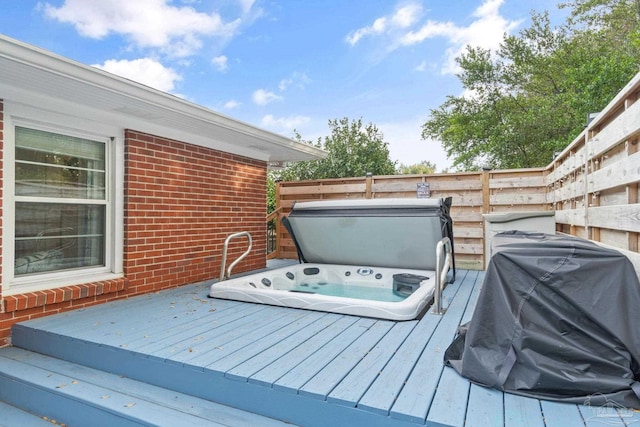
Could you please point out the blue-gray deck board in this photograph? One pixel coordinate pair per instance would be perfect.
(330, 376)
(304, 371)
(126, 401)
(269, 375)
(419, 392)
(243, 369)
(382, 395)
(485, 408)
(345, 369)
(359, 379)
(522, 412)
(12, 416)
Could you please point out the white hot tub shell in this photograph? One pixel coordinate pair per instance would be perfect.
(376, 258)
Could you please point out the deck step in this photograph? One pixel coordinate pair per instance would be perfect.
(10, 416)
(72, 394)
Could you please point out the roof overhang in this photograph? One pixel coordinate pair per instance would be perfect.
(33, 76)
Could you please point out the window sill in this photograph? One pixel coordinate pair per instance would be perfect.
(64, 294)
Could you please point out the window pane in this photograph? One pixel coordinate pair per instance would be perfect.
(56, 236)
(53, 165)
(61, 145)
(44, 181)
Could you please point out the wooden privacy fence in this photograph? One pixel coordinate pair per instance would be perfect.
(593, 183)
(592, 186)
(473, 193)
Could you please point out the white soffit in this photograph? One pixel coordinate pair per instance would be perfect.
(33, 76)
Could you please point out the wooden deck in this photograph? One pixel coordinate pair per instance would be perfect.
(302, 367)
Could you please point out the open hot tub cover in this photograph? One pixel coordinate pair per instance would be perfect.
(557, 318)
(392, 233)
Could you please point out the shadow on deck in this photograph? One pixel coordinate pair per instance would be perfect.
(179, 358)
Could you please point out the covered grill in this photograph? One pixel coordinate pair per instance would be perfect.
(557, 318)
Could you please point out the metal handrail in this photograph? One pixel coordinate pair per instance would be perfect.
(240, 258)
(443, 248)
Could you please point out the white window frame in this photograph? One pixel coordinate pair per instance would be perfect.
(34, 118)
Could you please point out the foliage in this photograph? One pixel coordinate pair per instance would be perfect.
(271, 191)
(424, 167)
(354, 149)
(531, 97)
(617, 20)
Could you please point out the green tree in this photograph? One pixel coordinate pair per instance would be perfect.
(271, 191)
(606, 49)
(531, 97)
(353, 148)
(618, 20)
(424, 167)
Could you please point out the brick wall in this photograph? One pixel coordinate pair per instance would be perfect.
(181, 202)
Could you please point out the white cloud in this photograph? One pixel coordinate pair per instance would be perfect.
(145, 70)
(264, 97)
(220, 62)
(231, 104)
(298, 80)
(486, 31)
(406, 16)
(378, 27)
(404, 28)
(429, 30)
(246, 5)
(403, 17)
(157, 24)
(284, 124)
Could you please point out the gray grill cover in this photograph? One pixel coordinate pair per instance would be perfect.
(557, 318)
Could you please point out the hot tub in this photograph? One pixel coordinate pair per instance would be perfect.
(381, 258)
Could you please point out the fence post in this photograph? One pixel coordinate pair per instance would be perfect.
(486, 192)
(278, 223)
(486, 208)
(588, 158)
(632, 196)
(368, 184)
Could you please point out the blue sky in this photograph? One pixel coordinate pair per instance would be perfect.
(284, 64)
